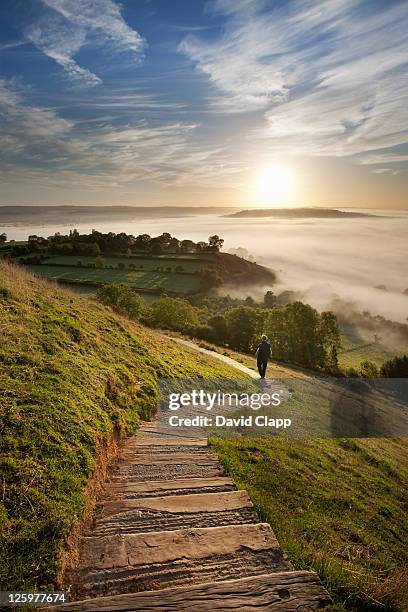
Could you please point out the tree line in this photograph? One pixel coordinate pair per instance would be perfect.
(97, 243)
(299, 334)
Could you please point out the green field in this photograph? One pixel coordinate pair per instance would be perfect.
(336, 506)
(354, 351)
(147, 263)
(177, 283)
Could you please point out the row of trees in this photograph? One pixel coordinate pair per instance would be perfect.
(299, 334)
(97, 243)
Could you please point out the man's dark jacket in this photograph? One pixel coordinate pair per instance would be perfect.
(264, 351)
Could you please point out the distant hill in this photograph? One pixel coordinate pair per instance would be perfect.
(74, 215)
(173, 266)
(298, 213)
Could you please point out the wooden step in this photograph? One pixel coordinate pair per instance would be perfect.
(155, 488)
(165, 471)
(279, 592)
(147, 561)
(151, 458)
(172, 513)
(150, 438)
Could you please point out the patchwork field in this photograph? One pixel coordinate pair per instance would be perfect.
(147, 263)
(140, 279)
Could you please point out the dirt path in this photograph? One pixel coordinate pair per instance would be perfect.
(171, 532)
(232, 362)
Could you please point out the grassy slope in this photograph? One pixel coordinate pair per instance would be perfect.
(71, 374)
(337, 506)
(355, 350)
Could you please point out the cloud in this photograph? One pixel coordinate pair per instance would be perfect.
(37, 145)
(382, 158)
(385, 171)
(23, 123)
(68, 25)
(328, 77)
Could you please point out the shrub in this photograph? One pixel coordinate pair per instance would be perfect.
(173, 313)
(395, 368)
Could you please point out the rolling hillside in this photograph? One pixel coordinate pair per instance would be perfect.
(74, 379)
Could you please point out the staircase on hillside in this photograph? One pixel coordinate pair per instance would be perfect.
(172, 533)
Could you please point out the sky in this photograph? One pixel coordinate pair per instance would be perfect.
(222, 102)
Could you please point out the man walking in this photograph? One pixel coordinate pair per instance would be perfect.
(263, 354)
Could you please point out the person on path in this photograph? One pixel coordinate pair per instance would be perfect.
(263, 354)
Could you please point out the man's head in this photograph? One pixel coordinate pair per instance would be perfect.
(264, 338)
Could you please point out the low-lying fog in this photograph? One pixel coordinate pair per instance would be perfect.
(321, 257)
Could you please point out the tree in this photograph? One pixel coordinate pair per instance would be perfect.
(241, 323)
(395, 368)
(123, 299)
(142, 242)
(301, 336)
(188, 246)
(219, 326)
(215, 243)
(210, 278)
(369, 369)
(330, 338)
(3, 238)
(269, 299)
(174, 313)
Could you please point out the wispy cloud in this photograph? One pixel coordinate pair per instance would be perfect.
(68, 25)
(328, 77)
(36, 144)
(385, 171)
(382, 158)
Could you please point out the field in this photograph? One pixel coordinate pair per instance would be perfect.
(354, 351)
(139, 279)
(189, 264)
(337, 506)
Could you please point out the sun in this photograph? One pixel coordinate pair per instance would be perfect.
(273, 185)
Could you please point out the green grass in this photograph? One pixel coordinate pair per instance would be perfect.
(177, 283)
(148, 263)
(337, 506)
(354, 351)
(72, 374)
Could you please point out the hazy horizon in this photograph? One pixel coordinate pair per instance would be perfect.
(321, 258)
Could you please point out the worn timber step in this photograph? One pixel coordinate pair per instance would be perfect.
(152, 560)
(172, 513)
(169, 458)
(152, 437)
(138, 473)
(160, 488)
(279, 592)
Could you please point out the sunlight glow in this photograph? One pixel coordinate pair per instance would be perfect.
(274, 186)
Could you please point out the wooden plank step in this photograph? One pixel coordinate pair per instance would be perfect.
(135, 448)
(182, 486)
(208, 502)
(175, 457)
(173, 513)
(279, 592)
(161, 438)
(146, 561)
(141, 473)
